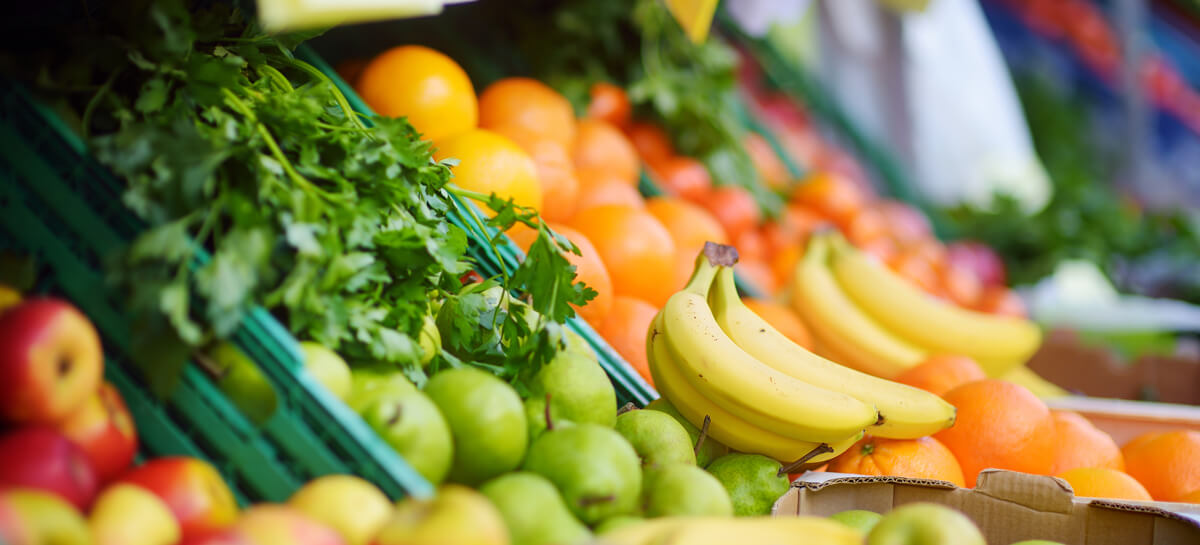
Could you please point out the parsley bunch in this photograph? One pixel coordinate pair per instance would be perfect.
(337, 224)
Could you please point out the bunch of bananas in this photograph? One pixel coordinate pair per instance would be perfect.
(867, 317)
(715, 530)
(713, 358)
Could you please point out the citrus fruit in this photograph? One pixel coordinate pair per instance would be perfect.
(650, 141)
(939, 374)
(609, 191)
(783, 263)
(758, 275)
(1104, 482)
(735, 209)
(609, 103)
(1191, 497)
(598, 144)
(792, 228)
(490, 163)
(782, 318)
(625, 330)
(917, 269)
(882, 249)
(766, 162)
(1001, 425)
(830, 195)
(864, 225)
(635, 248)
(751, 245)
(1001, 300)
(681, 176)
(961, 285)
(1080, 444)
(689, 224)
(530, 104)
(1166, 463)
(556, 173)
(427, 87)
(923, 458)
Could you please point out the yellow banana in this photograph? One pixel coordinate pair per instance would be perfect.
(742, 385)
(841, 329)
(904, 412)
(1035, 383)
(792, 530)
(734, 432)
(935, 325)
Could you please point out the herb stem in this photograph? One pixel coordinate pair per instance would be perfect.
(337, 93)
(90, 109)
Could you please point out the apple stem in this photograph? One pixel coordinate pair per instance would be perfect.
(702, 436)
(626, 408)
(549, 422)
(396, 415)
(821, 449)
(209, 366)
(587, 501)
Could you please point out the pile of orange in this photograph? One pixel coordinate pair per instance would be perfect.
(1002, 425)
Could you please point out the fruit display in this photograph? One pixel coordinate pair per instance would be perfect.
(441, 262)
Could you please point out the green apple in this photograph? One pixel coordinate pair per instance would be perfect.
(414, 426)
(125, 514)
(327, 367)
(351, 506)
(487, 421)
(924, 523)
(859, 519)
(456, 516)
(244, 383)
(752, 480)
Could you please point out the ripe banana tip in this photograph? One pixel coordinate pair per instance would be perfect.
(722, 255)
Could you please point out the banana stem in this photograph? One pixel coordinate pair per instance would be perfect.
(821, 449)
(702, 436)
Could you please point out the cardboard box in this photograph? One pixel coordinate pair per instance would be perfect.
(1124, 420)
(1007, 506)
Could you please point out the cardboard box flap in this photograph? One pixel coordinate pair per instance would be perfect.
(818, 480)
(1184, 512)
(1038, 492)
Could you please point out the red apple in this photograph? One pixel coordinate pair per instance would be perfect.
(41, 457)
(192, 489)
(272, 524)
(50, 361)
(103, 428)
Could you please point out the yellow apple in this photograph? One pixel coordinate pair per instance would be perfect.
(456, 516)
(353, 507)
(40, 518)
(125, 514)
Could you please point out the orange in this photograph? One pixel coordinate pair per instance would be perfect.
(961, 285)
(522, 235)
(530, 104)
(427, 87)
(350, 69)
(1001, 300)
(650, 141)
(864, 226)
(1167, 463)
(598, 144)
(609, 103)
(917, 269)
(635, 247)
(556, 174)
(490, 163)
(830, 195)
(681, 176)
(766, 162)
(751, 245)
(734, 208)
(882, 249)
(784, 261)
(929, 249)
(612, 192)
(792, 227)
(905, 224)
(625, 330)
(1104, 482)
(588, 267)
(1000, 425)
(1191, 497)
(923, 458)
(758, 274)
(783, 318)
(690, 225)
(939, 374)
(1080, 444)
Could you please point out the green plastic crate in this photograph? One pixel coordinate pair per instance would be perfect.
(630, 386)
(62, 207)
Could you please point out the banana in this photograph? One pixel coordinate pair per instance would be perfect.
(1035, 383)
(793, 530)
(904, 412)
(842, 331)
(996, 342)
(724, 427)
(739, 383)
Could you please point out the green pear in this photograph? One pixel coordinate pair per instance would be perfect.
(579, 390)
(244, 383)
(487, 421)
(620, 521)
(924, 523)
(368, 382)
(595, 468)
(658, 439)
(411, 423)
(576, 343)
(752, 480)
(327, 367)
(859, 519)
(430, 340)
(709, 451)
(535, 417)
(684, 490)
(533, 510)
